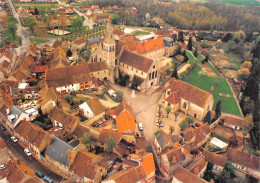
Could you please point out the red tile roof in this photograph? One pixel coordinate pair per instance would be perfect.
(185, 176)
(149, 46)
(234, 121)
(2, 144)
(215, 158)
(189, 92)
(148, 164)
(174, 98)
(125, 121)
(40, 68)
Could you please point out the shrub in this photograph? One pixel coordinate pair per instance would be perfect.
(245, 133)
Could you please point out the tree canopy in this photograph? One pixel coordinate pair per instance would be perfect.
(110, 143)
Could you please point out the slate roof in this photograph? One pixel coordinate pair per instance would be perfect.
(58, 150)
(162, 138)
(136, 61)
(244, 159)
(16, 110)
(93, 41)
(215, 158)
(189, 92)
(168, 42)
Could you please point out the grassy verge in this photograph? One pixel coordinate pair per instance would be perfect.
(138, 33)
(214, 69)
(37, 41)
(229, 104)
(39, 7)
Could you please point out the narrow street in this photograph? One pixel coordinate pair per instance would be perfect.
(17, 151)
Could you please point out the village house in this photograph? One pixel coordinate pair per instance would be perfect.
(16, 171)
(217, 160)
(162, 141)
(86, 167)
(188, 98)
(39, 70)
(7, 56)
(234, 122)
(63, 120)
(140, 145)
(100, 18)
(31, 92)
(170, 160)
(32, 137)
(60, 154)
(92, 108)
(198, 165)
(182, 175)
(197, 137)
(32, 112)
(49, 98)
(244, 162)
(78, 77)
(3, 152)
(103, 137)
(79, 43)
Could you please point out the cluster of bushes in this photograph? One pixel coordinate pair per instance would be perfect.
(184, 74)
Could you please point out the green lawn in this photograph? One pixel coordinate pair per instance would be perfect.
(138, 33)
(238, 64)
(229, 104)
(241, 2)
(193, 59)
(37, 41)
(40, 7)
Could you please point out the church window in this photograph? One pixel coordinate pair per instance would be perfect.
(116, 61)
(127, 67)
(132, 68)
(142, 73)
(154, 66)
(123, 65)
(100, 59)
(150, 76)
(156, 74)
(110, 49)
(153, 76)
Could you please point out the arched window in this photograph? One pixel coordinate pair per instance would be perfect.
(153, 76)
(150, 76)
(156, 74)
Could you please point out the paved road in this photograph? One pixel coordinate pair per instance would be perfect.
(21, 30)
(17, 151)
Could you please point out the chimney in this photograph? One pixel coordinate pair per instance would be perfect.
(16, 115)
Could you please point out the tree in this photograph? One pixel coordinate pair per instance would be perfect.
(190, 44)
(11, 28)
(180, 37)
(218, 109)
(248, 122)
(36, 11)
(190, 120)
(90, 141)
(77, 22)
(45, 19)
(195, 52)
(12, 19)
(30, 21)
(160, 106)
(115, 19)
(183, 125)
(134, 83)
(207, 118)
(110, 143)
(206, 59)
(168, 110)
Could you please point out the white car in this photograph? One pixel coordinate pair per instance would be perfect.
(2, 167)
(14, 139)
(140, 125)
(27, 152)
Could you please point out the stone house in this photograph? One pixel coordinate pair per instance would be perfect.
(198, 166)
(60, 155)
(182, 175)
(103, 137)
(197, 137)
(217, 160)
(188, 98)
(78, 77)
(162, 141)
(244, 162)
(79, 43)
(31, 92)
(92, 108)
(234, 122)
(3, 152)
(170, 160)
(33, 137)
(63, 120)
(86, 167)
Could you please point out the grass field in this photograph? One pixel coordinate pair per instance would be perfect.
(138, 33)
(236, 63)
(37, 41)
(229, 104)
(39, 7)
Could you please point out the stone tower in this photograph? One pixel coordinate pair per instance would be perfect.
(109, 46)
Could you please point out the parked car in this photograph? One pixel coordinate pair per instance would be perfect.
(193, 126)
(39, 174)
(197, 124)
(47, 179)
(27, 152)
(161, 124)
(158, 124)
(2, 167)
(14, 139)
(140, 125)
(182, 134)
